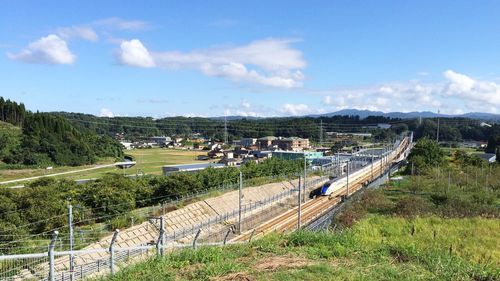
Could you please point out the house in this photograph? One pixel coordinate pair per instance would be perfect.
(292, 143)
(215, 154)
(248, 142)
(241, 152)
(232, 162)
(265, 142)
(214, 146)
(250, 158)
(127, 145)
(260, 154)
(490, 157)
(160, 141)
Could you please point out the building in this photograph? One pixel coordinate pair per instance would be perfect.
(127, 145)
(490, 157)
(292, 143)
(265, 142)
(248, 142)
(189, 168)
(160, 141)
(294, 155)
(348, 135)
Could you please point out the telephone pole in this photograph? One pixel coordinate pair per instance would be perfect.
(437, 134)
(321, 133)
(225, 127)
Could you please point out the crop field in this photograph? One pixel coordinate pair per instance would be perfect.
(149, 161)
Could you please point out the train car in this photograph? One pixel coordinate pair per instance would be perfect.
(364, 175)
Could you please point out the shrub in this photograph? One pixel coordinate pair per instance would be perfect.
(413, 206)
(351, 214)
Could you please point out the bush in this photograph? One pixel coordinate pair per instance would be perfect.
(375, 201)
(351, 214)
(413, 206)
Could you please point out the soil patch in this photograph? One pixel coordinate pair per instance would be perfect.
(238, 276)
(275, 263)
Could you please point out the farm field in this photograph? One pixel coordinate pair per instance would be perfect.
(149, 161)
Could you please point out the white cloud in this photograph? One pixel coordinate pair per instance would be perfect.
(106, 112)
(269, 62)
(83, 32)
(457, 92)
(133, 53)
(46, 50)
(295, 109)
(477, 93)
(121, 24)
(245, 104)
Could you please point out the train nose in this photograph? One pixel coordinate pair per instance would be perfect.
(324, 189)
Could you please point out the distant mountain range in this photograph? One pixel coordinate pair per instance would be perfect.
(414, 114)
(402, 115)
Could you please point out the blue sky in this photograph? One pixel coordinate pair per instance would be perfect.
(254, 58)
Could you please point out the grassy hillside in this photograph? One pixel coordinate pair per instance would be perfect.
(441, 225)
(377, 248)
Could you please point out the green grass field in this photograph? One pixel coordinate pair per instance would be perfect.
(149, 161)
(377, 248)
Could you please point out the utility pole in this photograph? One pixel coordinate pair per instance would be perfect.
(70, 224)
(240, 197)
(299, 210)
(437, 134)
(372, 168)
(305, 172)
(225, 128)
(347, 186)
(321, 133)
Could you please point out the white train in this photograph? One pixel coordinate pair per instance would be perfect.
(368, 173)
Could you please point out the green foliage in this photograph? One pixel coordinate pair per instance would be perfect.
(9, 139)
(426, 154)
(49, 139)
(113, 198)
(465, 159)
(12, 112)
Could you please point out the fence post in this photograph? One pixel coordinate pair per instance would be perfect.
(196, 238)
(52, 244)
(161, 239)
(112, 252)
(227, 235)
(251, 235)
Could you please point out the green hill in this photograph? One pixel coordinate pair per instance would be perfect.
(47, 139)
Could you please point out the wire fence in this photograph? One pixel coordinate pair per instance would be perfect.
(56, 263)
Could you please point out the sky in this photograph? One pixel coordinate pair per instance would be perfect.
(250, 58)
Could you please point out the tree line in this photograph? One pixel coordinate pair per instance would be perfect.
(42, 205)
(45, 139)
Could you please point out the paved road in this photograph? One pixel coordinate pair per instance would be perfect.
(58, 174)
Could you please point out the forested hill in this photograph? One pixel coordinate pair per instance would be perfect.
(451, 129)
(309, 127)
(45, 139)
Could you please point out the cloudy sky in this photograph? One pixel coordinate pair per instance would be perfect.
(251, 58)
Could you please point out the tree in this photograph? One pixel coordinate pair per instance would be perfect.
(426, 154)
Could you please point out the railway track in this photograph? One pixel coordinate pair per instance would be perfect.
(288, 221)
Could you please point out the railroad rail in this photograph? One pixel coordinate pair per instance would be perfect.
(344, 187)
